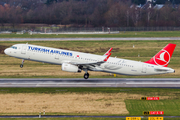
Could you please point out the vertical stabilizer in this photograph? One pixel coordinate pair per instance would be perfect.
(163, 57)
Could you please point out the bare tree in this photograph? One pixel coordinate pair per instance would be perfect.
(134, 12)
(97, 13)
(165, 13)
(116, 16)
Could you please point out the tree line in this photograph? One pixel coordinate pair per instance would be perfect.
(90, 13)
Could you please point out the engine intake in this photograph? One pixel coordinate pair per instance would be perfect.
(70, 68)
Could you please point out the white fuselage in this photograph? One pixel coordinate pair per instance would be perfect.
(60, 56)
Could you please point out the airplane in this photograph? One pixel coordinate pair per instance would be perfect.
(72, 61)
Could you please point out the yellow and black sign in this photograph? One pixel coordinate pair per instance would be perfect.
(146, 113)
(143, 98)
(155, 118)
(133, 118)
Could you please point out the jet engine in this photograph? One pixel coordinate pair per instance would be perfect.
(70, 68)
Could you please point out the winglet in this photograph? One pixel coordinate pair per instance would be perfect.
(107, 53)
(107, 57)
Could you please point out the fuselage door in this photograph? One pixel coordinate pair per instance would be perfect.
(56, 56)
(23, 50)
(144, 68)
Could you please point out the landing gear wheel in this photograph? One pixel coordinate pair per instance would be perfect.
(21, 66)
(86, 75)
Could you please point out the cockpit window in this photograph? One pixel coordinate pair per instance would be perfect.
(13, 47)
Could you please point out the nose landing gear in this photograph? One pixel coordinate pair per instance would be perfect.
(21, 66)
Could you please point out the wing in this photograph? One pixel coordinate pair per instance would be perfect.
(93, 63)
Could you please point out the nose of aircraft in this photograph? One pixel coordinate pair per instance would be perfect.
(5, 51)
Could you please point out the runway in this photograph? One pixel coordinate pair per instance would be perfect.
(93, 39)
(91, 82)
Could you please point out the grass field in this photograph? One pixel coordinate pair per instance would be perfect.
(67, 103)
(121, 34)
(122, 49)
(170, 106)
(109, 101)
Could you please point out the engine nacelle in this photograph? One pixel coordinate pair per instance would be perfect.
(70, 68)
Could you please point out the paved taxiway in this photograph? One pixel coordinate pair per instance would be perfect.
(70, 116)
(91, 82)
(79, 39)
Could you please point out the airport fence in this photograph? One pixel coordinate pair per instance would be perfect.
(50, 29)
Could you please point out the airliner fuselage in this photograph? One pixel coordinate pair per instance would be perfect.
(73, 61)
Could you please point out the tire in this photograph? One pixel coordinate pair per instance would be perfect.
(21, 66)
(86, 75)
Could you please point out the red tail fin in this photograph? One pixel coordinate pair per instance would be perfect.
(163, 57)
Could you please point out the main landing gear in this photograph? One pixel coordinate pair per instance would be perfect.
(21, 66)
(86, 75)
